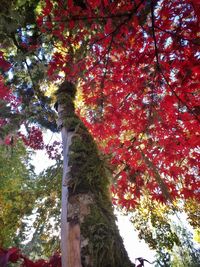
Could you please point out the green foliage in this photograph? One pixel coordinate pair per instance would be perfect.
(29, 204)
(152, 221)
(45, 217)
(12, 119)
(16, 195)
(192, 209)
(20, 43)
(160, 227)
(16, 14)
(186, 255)
(173, 244)
(163, 258)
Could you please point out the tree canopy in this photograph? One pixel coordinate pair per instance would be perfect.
(137, 63)
(136, 66)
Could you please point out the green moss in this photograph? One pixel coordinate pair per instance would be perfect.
(87, 169)
(88, 176)
(105, 243)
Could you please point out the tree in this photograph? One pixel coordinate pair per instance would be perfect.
(187, 254)
(166, 233)
(153, 223)
(90, 235)
(15, 191)
(138, 59)
(136, 63)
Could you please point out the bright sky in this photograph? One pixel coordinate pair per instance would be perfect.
(135, 247)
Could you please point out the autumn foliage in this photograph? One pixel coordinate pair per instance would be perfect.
(14, 255)
(137, 63)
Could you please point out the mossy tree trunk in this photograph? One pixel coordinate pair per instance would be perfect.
(89, 234)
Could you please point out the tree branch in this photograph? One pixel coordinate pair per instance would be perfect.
(159, 65)
(154, 34)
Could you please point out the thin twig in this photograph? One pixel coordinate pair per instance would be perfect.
(160, 68)
(175, 34)
(154, 34)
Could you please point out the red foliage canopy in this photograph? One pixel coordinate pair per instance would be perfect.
(140, 79)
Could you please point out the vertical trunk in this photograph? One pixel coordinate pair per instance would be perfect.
(66, 139)
(90, 237)
(64, 190)
(70, 234)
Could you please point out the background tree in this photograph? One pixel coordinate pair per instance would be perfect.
(186, 254)
(164, 231)
(16, 191)
(44, 223)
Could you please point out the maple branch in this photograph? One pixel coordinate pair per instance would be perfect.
(176, 95)
(195, 41)
(77, 18)
(112, 38)
(112, 33)
(158, 178)
(124, 163)
(129, 16)
(159, 65)
(97, 61)
(105, 73)
(154, 34)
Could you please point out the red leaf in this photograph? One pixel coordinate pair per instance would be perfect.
(29, 263)
(94, 3)
(4, 65)
(55, 260)
(11, 254)
(187, 193)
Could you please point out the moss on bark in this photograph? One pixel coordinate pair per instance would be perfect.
(89, 198)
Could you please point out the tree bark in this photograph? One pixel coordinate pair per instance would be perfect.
(70, 234)
(89, 234)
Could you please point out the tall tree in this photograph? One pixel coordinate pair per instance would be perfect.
(136, 65)
(90, 236)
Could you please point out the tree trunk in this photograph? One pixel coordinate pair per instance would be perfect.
(89, 234)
